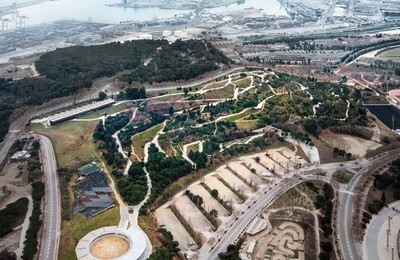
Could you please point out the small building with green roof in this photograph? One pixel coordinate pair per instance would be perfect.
(90, 168)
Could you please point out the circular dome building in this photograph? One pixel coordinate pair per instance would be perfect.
(112, 243)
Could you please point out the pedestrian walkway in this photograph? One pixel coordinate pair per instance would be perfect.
(380, 240)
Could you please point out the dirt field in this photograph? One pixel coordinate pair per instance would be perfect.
(246, 173)
(270, 164)
(249, 160)
(233, 181)
(167, 218)
(109, 247)
(16, 187)
(209, 202)
(354, 145)
(359, 146)
(291, 155)
(276, 155)
(286, 241)
(11, 240)
(192, 214)
(224, 192)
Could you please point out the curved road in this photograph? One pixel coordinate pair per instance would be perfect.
(237, 228)
(345, 219)
(52, 215)
(245, 219)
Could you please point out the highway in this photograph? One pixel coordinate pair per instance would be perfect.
(52, 215)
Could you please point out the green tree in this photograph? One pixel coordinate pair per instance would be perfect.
(102, 96)
(171, 110)
(383, 198)
(214, 193)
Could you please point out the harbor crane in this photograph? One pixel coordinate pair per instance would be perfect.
(4, 23)
(20, 20)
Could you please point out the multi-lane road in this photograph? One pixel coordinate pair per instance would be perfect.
(345, 218)
(51, 220)
(245, 219)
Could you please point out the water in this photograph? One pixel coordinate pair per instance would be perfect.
(97, 11)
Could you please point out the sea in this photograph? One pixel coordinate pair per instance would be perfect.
(98, 11)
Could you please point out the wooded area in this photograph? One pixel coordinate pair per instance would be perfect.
(66, 71)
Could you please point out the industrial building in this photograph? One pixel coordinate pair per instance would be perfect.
(63, 116)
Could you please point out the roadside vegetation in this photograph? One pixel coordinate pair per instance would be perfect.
(342, 176)
(385, 190)
(72, 231)
(31, 238)
(72, 142)
(12, 216)
(169, 248)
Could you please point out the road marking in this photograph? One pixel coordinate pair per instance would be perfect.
(347, 192)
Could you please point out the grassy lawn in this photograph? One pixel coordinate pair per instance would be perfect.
(240, 116)
(140, 139)
(193, 147)
(216, 84)
(243, 83)
(226, 92)
(178, 149)
(80, 226)
(109, 110)
(393, 54)
(246, 124)
(72, 142)
(342, 176)
(150, 227)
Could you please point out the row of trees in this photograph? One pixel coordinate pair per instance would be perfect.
(132, 93)
(169, 247)
(389, 180)
(31, 243)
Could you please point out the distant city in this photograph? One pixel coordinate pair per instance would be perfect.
(26, 29)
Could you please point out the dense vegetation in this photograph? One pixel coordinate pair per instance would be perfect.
(200, 158)
(11, 215)
(125, 136)
(387, 185)
(65, 176)
(7, 255)
(232, 252)
(134, 187)
(114, 123)
(169, 247)
(182, 60)
(163, 171)
(68, 70)
(31, 243)
(108, 144)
